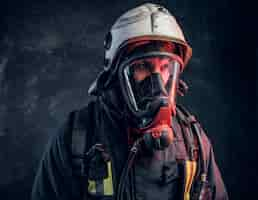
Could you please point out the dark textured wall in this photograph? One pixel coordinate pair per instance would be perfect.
(50, 51)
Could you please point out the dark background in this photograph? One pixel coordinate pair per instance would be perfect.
(50, 51)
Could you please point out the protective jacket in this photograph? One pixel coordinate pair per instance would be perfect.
(84, 160)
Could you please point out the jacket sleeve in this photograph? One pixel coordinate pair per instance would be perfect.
(54, 179)
(215, 178)
(213, 173)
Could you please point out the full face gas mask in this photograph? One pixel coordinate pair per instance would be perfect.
(149, 82)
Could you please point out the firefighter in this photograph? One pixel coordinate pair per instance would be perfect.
(133, 141)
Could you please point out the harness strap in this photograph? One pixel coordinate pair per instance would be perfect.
(196, 130)
(191, 135)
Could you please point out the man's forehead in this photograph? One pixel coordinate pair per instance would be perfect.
(153, 60)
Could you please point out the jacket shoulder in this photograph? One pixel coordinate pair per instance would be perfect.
(188, 118)
(79, 118)
(81, 134)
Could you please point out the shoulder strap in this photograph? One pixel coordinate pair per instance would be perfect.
(78, 135)
(185, 120)
(83, 136)
(85, 142)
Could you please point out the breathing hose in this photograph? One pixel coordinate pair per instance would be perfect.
(129, 163)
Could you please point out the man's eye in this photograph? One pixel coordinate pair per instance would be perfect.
(164, 67)
(140, 67)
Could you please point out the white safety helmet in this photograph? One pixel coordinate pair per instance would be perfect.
(146, 22)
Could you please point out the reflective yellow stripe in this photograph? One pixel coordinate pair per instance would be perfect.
(108, 182)
(92, 187)
(190, 170)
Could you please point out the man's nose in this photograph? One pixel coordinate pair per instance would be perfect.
(156, 65)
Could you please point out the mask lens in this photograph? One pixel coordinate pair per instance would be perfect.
(140, 70)
(151, 78)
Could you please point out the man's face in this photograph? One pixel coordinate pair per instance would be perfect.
(144, 68)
